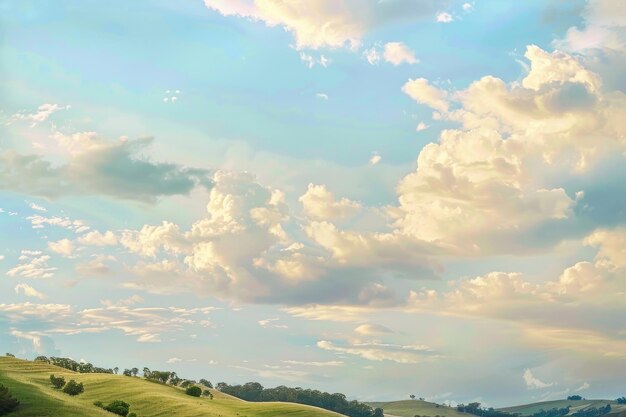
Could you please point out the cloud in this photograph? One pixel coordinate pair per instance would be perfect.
(375, 159)
(37, 207)
(41, 115)
(422, 91)
(270, 323)
(380, 351)
(95, 166)
(325, 23)
(314, 363)
(39, 222)
(96, 238)
(468, 7)
(397, 53)
(534, 383)
(583, 387)
(421, 126)
(322, 96)
(149, 338)
(33, 264)
(174, 360)
(444, 17)
(372, 329)
(63, 247)
(311, 61)
(321, 204)
(29, 291)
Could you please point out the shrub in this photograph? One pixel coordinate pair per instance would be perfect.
(208, 394)
(10, 355)
(621, 400)
(57, 383)
(574, 398)
(194, 391)
(7, 402)
(73, 388)
(118, 407)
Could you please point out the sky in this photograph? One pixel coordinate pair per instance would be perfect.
(374, 197)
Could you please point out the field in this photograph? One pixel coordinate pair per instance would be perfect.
(29, 383)
(410, 408)
(528, 409)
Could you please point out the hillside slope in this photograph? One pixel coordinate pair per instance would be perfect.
(29, 383)
(410, 408)
(575, 405)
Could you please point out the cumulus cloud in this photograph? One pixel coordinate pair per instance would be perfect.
(398, 53)
(96, 166)
(444, 17)
(63, 247)
(325, 23)
(534, 383)
(321, 204)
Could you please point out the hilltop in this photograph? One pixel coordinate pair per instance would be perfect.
(410, 408)
(575, 406)
(29, 383)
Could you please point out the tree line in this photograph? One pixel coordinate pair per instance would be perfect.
(477, 410)
(253, 391)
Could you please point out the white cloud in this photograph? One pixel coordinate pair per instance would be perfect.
(372, 329)
(444, 17)
(311, 61)
(372, 55)
(149, 338)
(534, 383)
(583, 387)
(375, 159)
(32, 265)
(421, 126)
(95, 238)
(324, 23)
(63, 247)
(381, 351)
(29, 291)
(41, 115)
(37, 207)
(314, 363)
(321, 204)
(322, 96)
(468, 7)
(422, 91)
(174, 360)
(398, 53)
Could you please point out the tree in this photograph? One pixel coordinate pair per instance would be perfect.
(194, 391)
(574, 398)
(146, 372)
(116, 369)
(378, 412)
(412, 396)
(10, 355)
(42, 359)
(7, 402)
(621, 400)
(208, 394)
(73, 388)
(57, 383)
(118, 407)
(134, 371)
(206, 383)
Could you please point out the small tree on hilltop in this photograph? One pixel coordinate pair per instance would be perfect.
(412, 396)
(208, 394)
(621, 400)
(10, 355)
(74, 388)
(206, 383)
(57, 382)
(7, 402)
(134, 371)
(194, 391)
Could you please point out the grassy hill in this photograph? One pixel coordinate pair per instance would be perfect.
(410, 408)
(579, 405)
(29, 383)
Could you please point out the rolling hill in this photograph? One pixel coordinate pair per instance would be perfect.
(410, 408)
(29, 383)
(575, 405)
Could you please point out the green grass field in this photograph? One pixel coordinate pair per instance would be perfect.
(528, 409)
(29, 383)
(410, 408)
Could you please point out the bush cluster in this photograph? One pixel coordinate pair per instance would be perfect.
(119, 407)
(7, 402)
